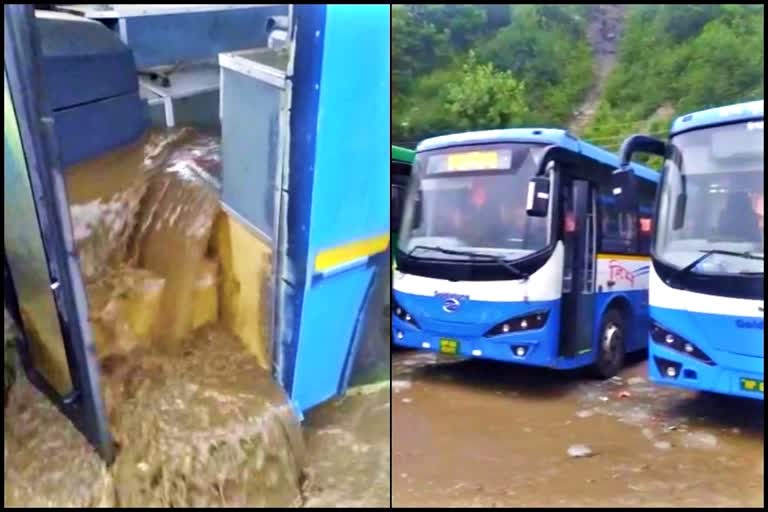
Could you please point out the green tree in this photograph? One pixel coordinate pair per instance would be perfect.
(418, 48)
(545, 46)
(484, 97)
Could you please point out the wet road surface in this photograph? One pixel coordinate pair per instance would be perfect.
(480, 433)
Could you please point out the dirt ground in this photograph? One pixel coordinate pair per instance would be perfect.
(478, 433)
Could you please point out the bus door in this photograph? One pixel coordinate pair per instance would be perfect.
(43, 288)
(579, 238)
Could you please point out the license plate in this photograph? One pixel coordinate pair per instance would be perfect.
(449, 346)
(755, 386)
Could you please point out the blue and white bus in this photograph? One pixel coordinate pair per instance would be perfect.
(707, 266)
(511, 248)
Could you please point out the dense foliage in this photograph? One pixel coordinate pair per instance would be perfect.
(461, 66)
(458, 67)
(675, 59)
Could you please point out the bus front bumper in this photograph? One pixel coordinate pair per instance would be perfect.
(529, 347)
(733, 374)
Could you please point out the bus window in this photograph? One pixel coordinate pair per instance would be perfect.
(618, 229)
(645, 220)
(569, 233)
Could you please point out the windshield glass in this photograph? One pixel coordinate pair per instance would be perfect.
(473, 199)
(712, 200)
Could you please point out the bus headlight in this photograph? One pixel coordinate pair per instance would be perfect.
(669, 339)
(402, 314)
(529, 322)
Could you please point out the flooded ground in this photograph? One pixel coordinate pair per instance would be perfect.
(348, 450)
(347, 461)
(478, 433)
(185, 369)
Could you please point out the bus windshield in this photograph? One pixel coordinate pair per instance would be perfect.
(473, 199)
(712, 201)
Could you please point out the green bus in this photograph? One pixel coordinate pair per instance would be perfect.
(400, 172)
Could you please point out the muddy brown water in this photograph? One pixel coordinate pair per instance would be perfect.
(479, 433)
(196, 419)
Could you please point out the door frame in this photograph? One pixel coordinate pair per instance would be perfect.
(579, 300)
(34, 120)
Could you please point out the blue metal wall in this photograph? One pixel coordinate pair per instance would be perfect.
(342, 194)
(166, 39)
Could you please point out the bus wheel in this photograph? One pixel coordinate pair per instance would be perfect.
(610, 355)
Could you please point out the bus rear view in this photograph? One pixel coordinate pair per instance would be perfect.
(706, 278)
(510, 249)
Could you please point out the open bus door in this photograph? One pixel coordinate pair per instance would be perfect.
(43, 290)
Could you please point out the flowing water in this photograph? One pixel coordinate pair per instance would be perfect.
(197, 419)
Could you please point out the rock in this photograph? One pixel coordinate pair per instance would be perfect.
(584, 414)
(634, 381)
(580, 450)
(603, 398)
(662, 445)
(407, 400)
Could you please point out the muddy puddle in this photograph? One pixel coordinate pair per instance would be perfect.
(195, 414)
(477, 433)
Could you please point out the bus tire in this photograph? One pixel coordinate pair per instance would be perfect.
(610, 347)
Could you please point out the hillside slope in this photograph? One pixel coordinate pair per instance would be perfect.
(604, 71)
(604, 32)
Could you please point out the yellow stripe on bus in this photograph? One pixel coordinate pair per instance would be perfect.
(338, 256)
(631, 257)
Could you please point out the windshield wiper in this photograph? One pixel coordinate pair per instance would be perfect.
(686, 269)
(498, 259)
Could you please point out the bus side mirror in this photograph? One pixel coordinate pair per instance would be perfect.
(623, 188)
(537, 204)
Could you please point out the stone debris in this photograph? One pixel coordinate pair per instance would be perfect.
(580, 451)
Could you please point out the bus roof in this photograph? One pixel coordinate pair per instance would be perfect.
(403, 154)
(721, 115)
(546, 136)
